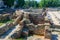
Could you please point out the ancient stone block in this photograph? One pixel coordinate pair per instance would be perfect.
(48, 34)
(40, 29)
(25, 32)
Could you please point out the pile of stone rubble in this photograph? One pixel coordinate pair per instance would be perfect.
(29, 23)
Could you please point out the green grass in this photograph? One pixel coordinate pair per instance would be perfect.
(20, 39)
(1, 24)
(9, 21)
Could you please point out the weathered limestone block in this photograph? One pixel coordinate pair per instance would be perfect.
(36, 18)
(6, 16)
(47, 25)
(18, 12)
(33, 18)
(25, 32)
(36, 29)
(47, 31)
(26, 21)
(40, 29)
(23, 22)
(5, 27)
(44, 13)
(46, 19)
(14, 16)
(26, 15)
(31, 26)
(16, 35)
(10, 25)
(17, 32)
(19, 18)
(48, 34)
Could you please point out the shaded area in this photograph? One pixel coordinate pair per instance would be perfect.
(54, 37)
(6, 33)
(7, 10)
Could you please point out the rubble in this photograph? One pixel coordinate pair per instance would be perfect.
(34, 23)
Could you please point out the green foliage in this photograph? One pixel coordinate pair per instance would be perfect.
(20, 3)
(1, 24)
(5, 21)
(20, 39)
(31, 3)
(49, 3)
(9, 3)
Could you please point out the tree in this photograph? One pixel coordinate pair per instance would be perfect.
(48, 3)
(26, 5)
(20, 3)
(31, 3)
(9, 3)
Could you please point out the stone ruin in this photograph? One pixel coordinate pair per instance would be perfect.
(35, 23)
(7, 14)
(5, 17)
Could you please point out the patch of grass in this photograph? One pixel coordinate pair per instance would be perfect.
(1, 24)
(10, 21)
(6, 20)
(20, 39)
